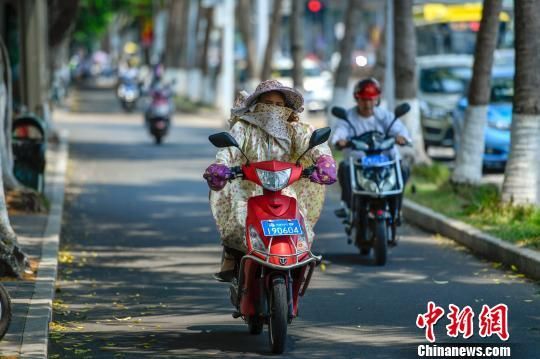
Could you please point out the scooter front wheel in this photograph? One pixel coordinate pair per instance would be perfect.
(277, 325)
(5, 311)
(381, 240)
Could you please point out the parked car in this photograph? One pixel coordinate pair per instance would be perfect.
(442, 82)
(499, 118)
(318, 83)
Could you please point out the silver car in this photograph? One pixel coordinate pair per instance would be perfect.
(442, 81)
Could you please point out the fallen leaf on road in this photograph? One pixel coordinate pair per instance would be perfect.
(440, 281)
(122, 319)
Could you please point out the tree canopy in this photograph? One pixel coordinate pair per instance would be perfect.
(96, 15)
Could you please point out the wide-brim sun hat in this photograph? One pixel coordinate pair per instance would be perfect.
(293, 98)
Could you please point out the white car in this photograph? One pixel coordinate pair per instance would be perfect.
(318, 83)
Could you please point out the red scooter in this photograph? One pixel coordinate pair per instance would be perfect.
(278, 265)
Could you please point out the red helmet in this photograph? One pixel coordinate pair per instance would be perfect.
(367, 89)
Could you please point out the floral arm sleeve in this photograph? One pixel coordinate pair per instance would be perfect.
(231, 156)
(321, 155)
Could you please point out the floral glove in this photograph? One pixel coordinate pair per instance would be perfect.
(217, 175)
(325, 171)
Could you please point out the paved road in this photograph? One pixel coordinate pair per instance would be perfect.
(139, 247)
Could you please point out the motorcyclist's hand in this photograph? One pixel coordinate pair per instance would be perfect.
(216, 175)
(400, 140)
(341, 144)
(325, 171)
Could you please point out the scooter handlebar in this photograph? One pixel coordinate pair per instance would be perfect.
(347, 145)
(237, 172)
(306, 172)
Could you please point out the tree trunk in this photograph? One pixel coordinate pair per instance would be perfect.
(176, 54)
(206, 82)
(405, 73)
(471, 145)
(272, 40)
(12, 260)
(62, 15)
(522, 176)
(195, 73)
(6, 124)
(245, 12)
(175, 51)
(380, 63)
(297, 40)
(343, 71)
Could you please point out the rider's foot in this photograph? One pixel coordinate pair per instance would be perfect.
(225, 276)
(341, 213)
(226, 272)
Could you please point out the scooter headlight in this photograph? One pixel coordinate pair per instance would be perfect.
(367, 184)
(390, 182)
(256, 241)
(161, 110)
(274, 181)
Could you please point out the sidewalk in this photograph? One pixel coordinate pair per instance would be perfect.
(38, 235)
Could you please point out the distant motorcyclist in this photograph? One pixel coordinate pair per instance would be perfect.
(364, 117)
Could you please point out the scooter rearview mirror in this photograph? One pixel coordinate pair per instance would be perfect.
(402, 109)
(319, 136)
(339, 112)
(223, 139)
(399, 111)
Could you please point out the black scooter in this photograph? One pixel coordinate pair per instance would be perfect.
(377, 187)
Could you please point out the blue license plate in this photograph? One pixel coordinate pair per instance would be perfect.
(374, 160)
(281, 227)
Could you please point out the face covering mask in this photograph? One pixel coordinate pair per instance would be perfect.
(273, 120)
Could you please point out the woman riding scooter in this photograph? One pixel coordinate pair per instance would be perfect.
(266, 127)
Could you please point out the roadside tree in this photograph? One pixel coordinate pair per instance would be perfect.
(341, 83)
(470, 152)
(297, 49)
(405, 73)
(272, 40)
(522, 176)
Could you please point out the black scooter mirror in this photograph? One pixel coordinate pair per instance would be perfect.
(402, 109)
(318, 137)
(223, 139)
(339, 112)
(399, 111)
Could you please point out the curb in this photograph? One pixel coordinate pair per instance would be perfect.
(526, 260)
(35, 337)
